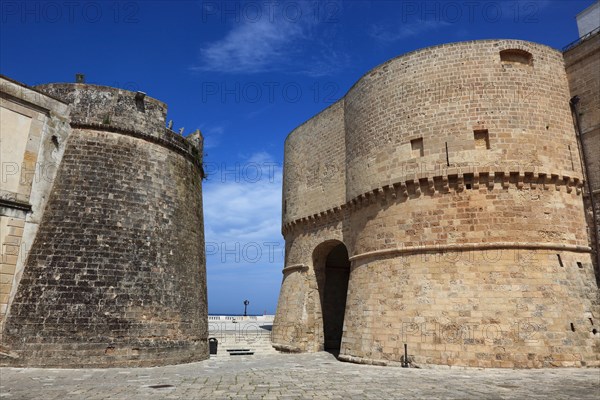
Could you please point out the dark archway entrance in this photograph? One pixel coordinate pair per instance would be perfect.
(333, 292)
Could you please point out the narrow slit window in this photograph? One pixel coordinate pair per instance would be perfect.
(559, 260)
(482, 139)
(571, 157)
(447, 157)
(416, 146)
(579, 264)
(516, 56)
(54, 140)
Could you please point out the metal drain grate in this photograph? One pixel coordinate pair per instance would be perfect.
(160, 386)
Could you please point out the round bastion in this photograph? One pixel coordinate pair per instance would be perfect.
(438, 205)
(116, 275)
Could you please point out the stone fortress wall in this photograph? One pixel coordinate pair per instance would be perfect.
(115, 273)
(459, 203)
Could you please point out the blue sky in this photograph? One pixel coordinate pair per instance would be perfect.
(246, 74)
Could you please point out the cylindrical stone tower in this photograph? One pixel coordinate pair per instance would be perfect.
(116, 275)
(451, 178)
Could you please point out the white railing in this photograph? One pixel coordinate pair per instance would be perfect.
(241, 318)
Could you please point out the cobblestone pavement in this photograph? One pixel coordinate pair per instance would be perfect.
(296, 376)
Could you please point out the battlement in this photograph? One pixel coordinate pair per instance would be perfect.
(109, 106)
(122, 111)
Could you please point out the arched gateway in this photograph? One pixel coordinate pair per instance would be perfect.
(332, 269)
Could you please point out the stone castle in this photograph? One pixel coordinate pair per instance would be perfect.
(447, 203)
(444, 204)
(101, 228)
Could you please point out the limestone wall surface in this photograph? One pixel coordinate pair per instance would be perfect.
(427, 112)
(34, 130)
(314, 165)
(463, 210)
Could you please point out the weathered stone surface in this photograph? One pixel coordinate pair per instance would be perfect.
(116, 274)
(296, 376)
(458, 194)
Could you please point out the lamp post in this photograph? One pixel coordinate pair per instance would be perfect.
(246, 302)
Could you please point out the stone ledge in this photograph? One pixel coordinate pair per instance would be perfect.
(294, 267)
(286, 348)
(473, 246)
(473, 179)
(360, 360)
(15, 204)
(103, 355)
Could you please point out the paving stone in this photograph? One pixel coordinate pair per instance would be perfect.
(296, 376)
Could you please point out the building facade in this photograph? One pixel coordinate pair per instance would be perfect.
(582, 63)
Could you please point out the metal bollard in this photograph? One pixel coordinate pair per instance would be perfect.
(405, 361)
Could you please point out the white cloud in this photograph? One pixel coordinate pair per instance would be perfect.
(242, 212)
(252, 47)
(328, 62)
(277, 43)
(388, 34)
(261, 157)
(212, 136)
(244, 246)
